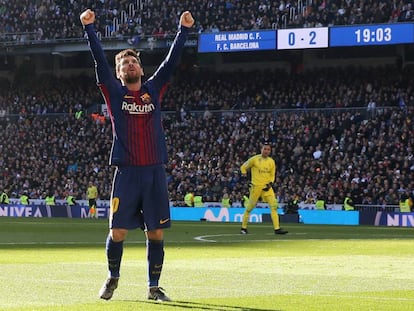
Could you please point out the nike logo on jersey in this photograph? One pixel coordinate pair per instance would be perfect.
(163, 221)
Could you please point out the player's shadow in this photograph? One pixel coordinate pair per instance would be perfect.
(203, 306)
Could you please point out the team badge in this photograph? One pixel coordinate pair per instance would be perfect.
(145, 98)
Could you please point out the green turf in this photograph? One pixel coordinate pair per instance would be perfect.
(60, 264)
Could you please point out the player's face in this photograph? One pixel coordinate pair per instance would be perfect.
(130, 70)
(266, 151)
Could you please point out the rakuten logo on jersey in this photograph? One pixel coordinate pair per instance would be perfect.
(134, 108)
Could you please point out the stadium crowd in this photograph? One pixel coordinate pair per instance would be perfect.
(196, 89)
(45, 20)
(331, 135)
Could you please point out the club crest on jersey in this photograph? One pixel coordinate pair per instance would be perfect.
(146, 98)
(133, 108)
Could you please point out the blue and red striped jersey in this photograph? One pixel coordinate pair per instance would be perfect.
(138, 135)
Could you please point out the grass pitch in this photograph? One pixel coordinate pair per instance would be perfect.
(60, 264)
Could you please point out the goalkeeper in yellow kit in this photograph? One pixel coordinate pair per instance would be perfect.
(263, 171)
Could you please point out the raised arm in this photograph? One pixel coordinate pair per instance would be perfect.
(103, 70)
(165, 70)
(87, 17)
(186, 19)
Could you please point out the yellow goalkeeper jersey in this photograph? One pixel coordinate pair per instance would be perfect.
(263, 170)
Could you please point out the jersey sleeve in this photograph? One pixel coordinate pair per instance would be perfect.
(245, 166)
(104, 73)
(166, 68)
(273, 172)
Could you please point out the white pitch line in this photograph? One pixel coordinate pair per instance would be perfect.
(205, 238)
(35, 223)
(358, 297)
(51, 243)
(75, 243)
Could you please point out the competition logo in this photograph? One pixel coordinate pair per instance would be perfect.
(146, 105)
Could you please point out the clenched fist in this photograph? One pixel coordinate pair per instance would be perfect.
(187, 19)
(87, 17)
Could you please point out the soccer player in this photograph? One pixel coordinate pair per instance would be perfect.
(92, 195)
(263, 171)
(139, 197)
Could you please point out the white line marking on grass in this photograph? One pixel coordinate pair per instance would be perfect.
(52, 243)
(63, 243)
(359, 297)
(73, 243)
(291, 233)
(207, 238)
(36, 223)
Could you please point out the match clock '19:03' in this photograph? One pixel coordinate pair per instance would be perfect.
(371, 35)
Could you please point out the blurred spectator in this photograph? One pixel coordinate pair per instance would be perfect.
(226, 201)
(70, 200)
(348, 203)
(405, 203)
(24, 199)
(189, 198)
(50, 199)
(320, 203)
(4, 198)
(26, 20)
(293, 205)
(44, 145)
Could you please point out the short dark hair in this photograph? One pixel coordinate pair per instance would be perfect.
(267, 143)
(125, 53)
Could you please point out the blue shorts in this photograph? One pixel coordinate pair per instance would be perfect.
(139, 198)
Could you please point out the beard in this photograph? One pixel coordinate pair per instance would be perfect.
(132, 78)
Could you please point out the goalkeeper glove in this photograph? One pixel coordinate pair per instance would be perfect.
(268, 186)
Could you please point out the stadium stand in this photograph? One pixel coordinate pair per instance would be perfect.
(335, 146)
(48, 20)
(335, 131)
